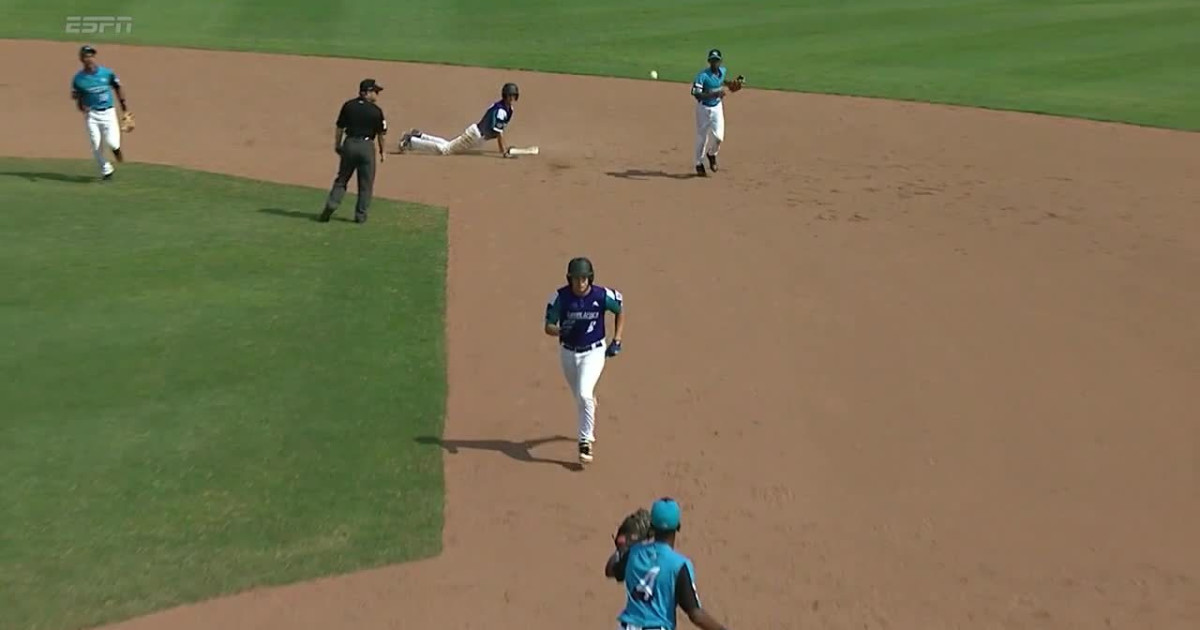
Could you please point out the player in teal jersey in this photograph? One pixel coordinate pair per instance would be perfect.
(658, 578)
(709, 90)
(92, 89)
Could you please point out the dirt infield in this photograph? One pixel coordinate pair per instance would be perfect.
(906, 366)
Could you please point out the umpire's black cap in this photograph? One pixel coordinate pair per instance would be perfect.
(368, 85)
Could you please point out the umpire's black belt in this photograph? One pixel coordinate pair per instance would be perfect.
(588, 349)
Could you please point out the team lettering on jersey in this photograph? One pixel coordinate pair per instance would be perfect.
(583, 315)
(95, 88)
(707, 81)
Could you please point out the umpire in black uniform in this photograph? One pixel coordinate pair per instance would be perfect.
(362, 122)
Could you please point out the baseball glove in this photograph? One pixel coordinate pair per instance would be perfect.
(634, 528)
(127, 122)
(736, 84)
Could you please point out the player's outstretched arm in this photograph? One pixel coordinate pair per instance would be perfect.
(501, 146)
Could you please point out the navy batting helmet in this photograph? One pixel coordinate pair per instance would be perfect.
(510, 89)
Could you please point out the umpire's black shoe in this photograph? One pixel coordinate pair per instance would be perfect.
(712, 163)
(325, 215)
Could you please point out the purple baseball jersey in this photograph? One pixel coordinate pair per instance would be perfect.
(582, 317)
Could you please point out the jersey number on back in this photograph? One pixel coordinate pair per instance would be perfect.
(644, 591)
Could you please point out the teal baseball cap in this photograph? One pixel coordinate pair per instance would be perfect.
(664, 515)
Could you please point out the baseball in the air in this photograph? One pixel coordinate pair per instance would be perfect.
(654, 74)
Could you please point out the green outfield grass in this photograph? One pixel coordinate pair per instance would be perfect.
(205, 390)
(1129, 60)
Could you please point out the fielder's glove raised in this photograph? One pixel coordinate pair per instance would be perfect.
(737, 84)
(127, 122)
(634, 528)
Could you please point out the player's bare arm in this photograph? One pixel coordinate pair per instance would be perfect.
(689, 602)
(120, 90)
(619, 325)
(614, 568)
(703, 620)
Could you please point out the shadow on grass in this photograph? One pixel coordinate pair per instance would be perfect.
(300, 214)
(520, 451)
(635, 173)
(50, 177)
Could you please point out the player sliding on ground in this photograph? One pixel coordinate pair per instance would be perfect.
(490, 127)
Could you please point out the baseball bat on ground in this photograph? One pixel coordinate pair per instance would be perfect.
(523, 151)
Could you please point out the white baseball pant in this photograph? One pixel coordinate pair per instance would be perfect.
(710, 130)
(582, 371)
(103, 129)
(467, 140)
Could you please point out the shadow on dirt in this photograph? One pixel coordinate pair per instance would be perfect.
(635, 173)
(519, 451)
(50, 177)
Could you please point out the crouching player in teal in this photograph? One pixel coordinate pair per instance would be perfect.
(657, 577)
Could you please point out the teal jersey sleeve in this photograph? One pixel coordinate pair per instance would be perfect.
(553, 310)
(706, 81)
(613, 300)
